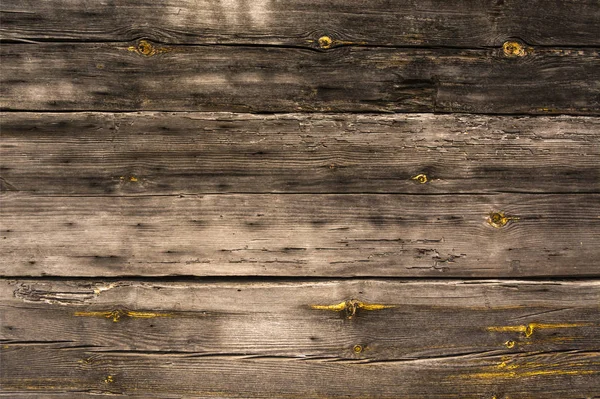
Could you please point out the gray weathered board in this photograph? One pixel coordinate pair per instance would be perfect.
(451, 23)
(290, 339)
(295, 195)
(201, 153)
(121, 77)
(300, 199)
(301, 235)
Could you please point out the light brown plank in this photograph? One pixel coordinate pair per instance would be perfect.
(258, 339)
(301, 22)
(301, 235)
(144, 76)
(160, 153)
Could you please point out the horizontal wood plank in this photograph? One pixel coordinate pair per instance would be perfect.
(301, 235)
(291, 339)
(301, 22)
(175, 250)
(161, 153)
(146, 76)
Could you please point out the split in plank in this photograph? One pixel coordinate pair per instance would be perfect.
(302, 339)
(301, 235)
(196, 153)
(146, 76)
(452, 23)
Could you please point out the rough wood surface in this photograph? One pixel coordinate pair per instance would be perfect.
(145, 76)
(301, 235)
(153, 245)
(513, 339)
(159, 153)
(453, 23)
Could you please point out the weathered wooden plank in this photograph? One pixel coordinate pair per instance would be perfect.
(159, 153)
(556, 375)
(301, 22)
(247, 339)
(301, 235)
(143, 76)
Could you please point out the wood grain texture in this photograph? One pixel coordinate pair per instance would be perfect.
(161, 153)
(513, 339)
(452, 23)
(130, 76)
(301, 235)
(277, 199)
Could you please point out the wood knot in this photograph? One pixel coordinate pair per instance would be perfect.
(116, 315)
(421, 178)
(325, 42)
(109, 379)
(513, 49)
(351, 307)
(499, 219)
(132, 179)
(510, 344)
(146, 49)
(529, 330)
(357, 349)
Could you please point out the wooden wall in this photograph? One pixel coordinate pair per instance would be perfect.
(300, 199)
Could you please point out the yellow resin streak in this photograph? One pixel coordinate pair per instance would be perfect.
(116, 315)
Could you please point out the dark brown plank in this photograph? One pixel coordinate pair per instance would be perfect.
(130, 76)
(301, 22)
(223, 339)
(301, 235)
(159, 153)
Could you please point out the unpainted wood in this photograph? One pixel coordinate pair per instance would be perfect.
(163, 153)
(164, 197)
(301, 235)
(150, 76)
(169, 375)
(302, 22)
(513, 339)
